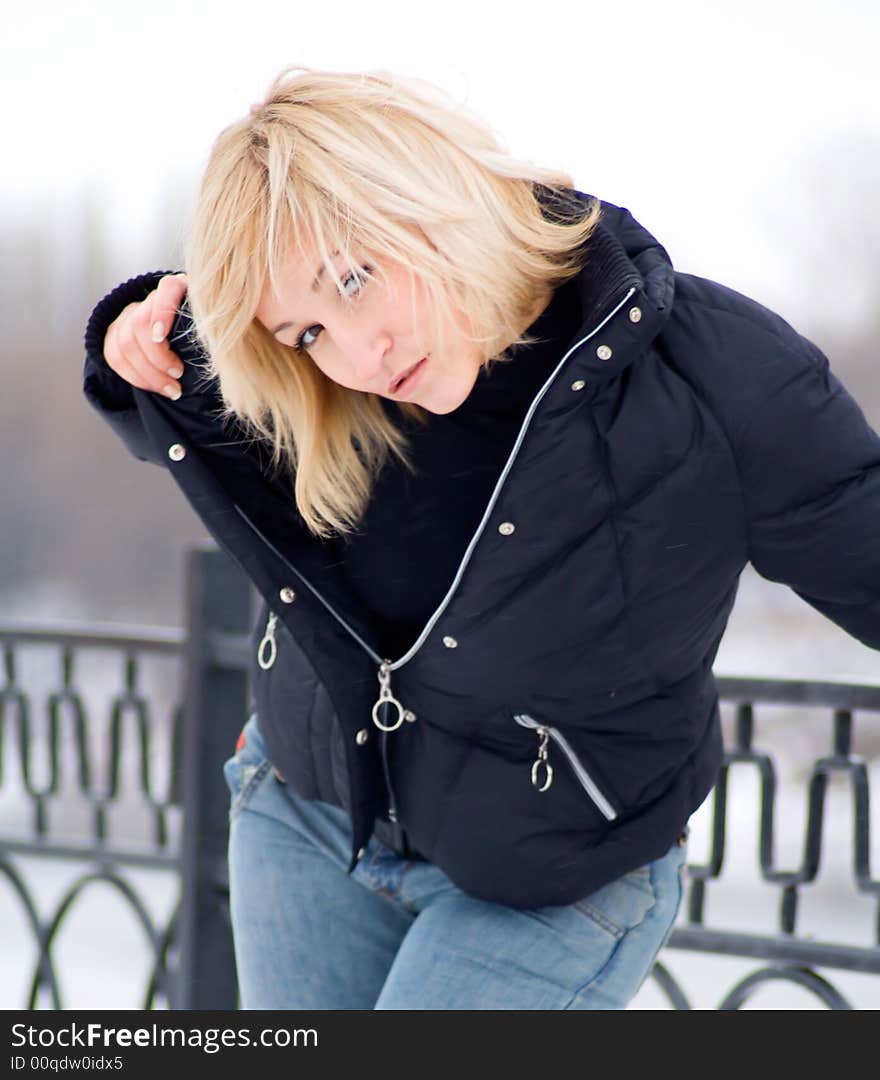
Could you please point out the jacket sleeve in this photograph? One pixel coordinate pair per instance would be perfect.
(111, 396)
(809, 465)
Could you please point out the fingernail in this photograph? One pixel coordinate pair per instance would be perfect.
(175, 372)
(158, 331)
(171, 391)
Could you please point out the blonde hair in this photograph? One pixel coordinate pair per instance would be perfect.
(356, 163)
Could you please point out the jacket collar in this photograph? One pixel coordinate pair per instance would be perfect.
(619, 253)
(626, 285)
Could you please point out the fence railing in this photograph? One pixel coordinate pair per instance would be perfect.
(111, 753)
(97, 723)
(793, 955)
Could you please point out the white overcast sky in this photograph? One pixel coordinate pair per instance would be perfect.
(699, 115)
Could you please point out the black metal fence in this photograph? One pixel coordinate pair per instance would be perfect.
(77, 721)
(111, 747)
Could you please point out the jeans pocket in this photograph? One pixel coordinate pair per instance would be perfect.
(622, 904)
(246, 768)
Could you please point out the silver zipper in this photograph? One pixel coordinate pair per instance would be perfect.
(386, 772)
(267, 650)
(586, 781)
(306, 583)
(387, 698)
(267, 659)
(542, 762)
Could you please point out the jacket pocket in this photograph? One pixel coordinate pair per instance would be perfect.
(542, 769)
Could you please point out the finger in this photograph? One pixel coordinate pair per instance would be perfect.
(124, 354)
(167, 298)
(158, 355)
(115, 354)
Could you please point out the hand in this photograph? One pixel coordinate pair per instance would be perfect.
(135, 345)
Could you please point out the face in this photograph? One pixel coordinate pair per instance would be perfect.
(373, 336)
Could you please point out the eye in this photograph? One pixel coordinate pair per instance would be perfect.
(352, 284)
(308, 337)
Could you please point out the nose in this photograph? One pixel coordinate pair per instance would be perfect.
(365, 349)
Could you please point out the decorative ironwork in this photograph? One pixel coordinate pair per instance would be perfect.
(66, 761)
(793, 955)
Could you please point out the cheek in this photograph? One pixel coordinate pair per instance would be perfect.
(333, 366)
(415, 313)
(323, 362)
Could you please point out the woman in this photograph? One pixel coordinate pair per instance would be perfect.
(495, 468)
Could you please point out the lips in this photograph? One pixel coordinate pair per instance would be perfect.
(399, 380)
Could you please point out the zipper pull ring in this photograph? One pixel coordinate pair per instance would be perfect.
(267, 659)
(387, 698)
(543, 755)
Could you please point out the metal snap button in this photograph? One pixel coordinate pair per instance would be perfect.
(506, 528)
(362, 736)
(635, 314)
(579, 384)
(450, 642)
(603, 352)
(177, 452)
(287, 595)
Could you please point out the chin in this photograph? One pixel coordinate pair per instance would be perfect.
(439, 409)
(442, 403)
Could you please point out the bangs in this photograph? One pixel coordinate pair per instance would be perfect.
(305, 222)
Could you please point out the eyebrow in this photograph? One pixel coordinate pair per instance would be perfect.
(314, 288)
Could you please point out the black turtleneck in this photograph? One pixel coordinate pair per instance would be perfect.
(417, 526)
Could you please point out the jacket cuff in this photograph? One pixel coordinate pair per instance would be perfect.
(105, 390)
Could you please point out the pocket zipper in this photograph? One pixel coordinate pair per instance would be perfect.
(586, 781)
(267, 650)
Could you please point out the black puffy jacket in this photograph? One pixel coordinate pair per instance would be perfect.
(685, 431)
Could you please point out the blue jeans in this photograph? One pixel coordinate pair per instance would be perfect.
(397, 934)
